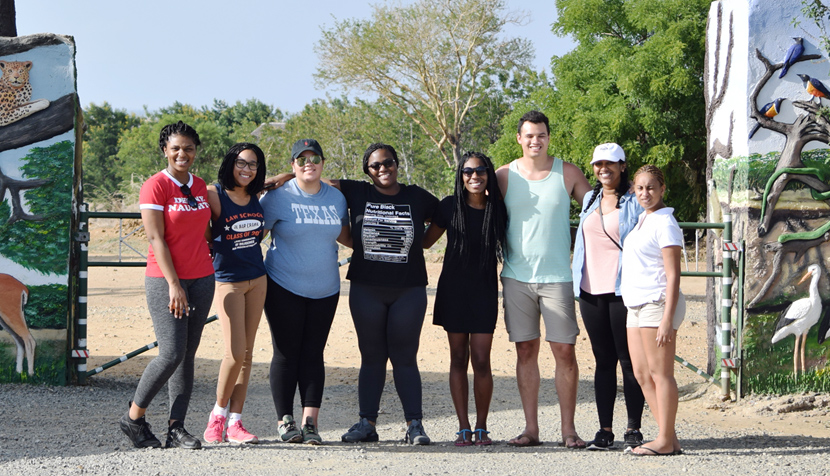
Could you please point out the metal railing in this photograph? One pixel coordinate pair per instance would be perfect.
(730, 266)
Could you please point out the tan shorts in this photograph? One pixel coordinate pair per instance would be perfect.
(524, 302)
(650, 314)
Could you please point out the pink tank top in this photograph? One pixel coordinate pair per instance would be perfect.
(602, 257)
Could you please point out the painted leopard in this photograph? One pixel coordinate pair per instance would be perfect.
(16, 92)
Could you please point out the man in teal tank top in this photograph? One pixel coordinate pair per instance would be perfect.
(536, 278)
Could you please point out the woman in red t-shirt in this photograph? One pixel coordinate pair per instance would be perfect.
(179, 285)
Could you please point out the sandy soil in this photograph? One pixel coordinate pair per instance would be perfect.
(119, 323)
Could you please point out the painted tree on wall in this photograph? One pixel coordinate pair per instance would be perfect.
(41, 244)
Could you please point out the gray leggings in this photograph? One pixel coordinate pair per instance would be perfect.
(178, 340)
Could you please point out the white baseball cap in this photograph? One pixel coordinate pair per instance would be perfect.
(610, 152)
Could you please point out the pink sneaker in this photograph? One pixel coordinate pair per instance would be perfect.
(215, 431)
(238, 434)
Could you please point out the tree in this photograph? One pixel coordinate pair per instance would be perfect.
(8, 17)
(428, 59)
(635, 78)
(101, 151)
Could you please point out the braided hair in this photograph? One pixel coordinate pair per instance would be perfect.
(493, 231)
(653, 170)
(622, 188)
(180, 129)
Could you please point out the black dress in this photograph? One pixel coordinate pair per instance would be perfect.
(467, 297)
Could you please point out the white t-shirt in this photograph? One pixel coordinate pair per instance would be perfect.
(643, 274)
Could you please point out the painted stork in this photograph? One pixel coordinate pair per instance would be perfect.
(800, 316)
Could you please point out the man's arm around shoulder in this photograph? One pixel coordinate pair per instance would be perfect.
(575, 181)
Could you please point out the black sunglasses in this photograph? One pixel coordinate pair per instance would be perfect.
(191, 200)
(481, 171)
(388, 163)
(314, 159)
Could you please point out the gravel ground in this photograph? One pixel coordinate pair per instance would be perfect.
(74, 430)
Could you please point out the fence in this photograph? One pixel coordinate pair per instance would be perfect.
(80, 353)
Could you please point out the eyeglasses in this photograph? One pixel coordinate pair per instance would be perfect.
(191, 200)
(241, 163)
(302, 160)
(388, 163)
(481, 171)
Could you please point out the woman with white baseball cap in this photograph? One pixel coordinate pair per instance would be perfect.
(608, 214)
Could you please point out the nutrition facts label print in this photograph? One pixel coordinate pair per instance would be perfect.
(388, 232)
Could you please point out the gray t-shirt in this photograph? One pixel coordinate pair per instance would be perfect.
(302, 257)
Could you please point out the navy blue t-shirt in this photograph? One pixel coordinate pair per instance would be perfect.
(237, 234)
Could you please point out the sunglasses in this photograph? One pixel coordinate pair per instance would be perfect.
(388, 163)
(302, 160)
(241, 163)
(481, 171)
(191, 200)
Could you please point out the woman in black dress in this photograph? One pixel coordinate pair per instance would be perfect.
(466, 303)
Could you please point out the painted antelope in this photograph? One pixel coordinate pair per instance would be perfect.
(13, 296)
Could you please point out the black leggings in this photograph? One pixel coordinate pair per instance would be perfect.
(388, 323)
(604, 318)
(299, 330)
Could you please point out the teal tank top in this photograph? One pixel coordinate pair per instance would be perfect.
(538, 228)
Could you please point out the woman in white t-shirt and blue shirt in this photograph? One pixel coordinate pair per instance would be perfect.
(656, 307)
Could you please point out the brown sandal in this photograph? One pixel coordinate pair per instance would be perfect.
(577, 442)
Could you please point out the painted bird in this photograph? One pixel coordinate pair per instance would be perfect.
(814, 87)
(770, 109)
(800, 316)
(793, 53)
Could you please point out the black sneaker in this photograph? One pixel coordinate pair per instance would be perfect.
(178, 437)
(362, 431)
(604, 440)
(138, 431)
(633, 438)
(415, 434)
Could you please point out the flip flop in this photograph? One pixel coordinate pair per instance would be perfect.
(576, 442)
(463, 439)
(531, 441)
(481, 437)
(654, 453)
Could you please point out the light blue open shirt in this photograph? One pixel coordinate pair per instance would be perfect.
(630, 211)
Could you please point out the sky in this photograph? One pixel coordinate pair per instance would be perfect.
(152, 53)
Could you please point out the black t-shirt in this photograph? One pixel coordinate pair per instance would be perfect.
(388, 232)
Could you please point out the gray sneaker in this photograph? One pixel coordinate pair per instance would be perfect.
(361, 431)
(288, 430)
(310, 435)
(415, 434)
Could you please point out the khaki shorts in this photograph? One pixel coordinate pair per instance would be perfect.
(650, 314)
(524, 302)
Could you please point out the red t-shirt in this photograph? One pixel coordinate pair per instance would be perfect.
(184, 227)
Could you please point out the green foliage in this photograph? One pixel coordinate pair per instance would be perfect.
(50, 364)
(42, 245)
(819, 13)
(48, 307)
(432, 59)
(219, 128)
(635, 78)
(344, 130)
(101, 152)
(768, 367)
(753, 173)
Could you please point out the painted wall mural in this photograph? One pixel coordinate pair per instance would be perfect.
(39, 177)
(768, 117)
